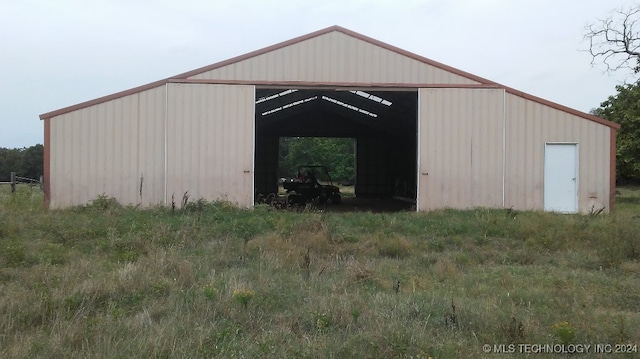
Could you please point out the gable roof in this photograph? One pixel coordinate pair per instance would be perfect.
(192, 76)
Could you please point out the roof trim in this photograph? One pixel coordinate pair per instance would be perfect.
(569, 110)
(103, 99)
(346, 85)
(182, 77)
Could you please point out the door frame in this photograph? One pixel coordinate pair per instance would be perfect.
(576, 173)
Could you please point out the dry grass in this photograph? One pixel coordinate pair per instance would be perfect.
(105, 281)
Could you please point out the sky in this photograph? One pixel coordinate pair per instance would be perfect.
(57, 53)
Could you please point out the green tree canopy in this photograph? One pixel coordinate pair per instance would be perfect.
(337, 154)
(624, 108)
(25, 162)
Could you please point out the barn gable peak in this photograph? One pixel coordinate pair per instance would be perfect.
(334, 55)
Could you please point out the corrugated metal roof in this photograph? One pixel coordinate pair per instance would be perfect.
(185, 77)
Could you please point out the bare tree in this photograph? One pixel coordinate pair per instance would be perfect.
(615, 40)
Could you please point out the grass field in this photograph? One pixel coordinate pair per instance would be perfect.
(211, 280)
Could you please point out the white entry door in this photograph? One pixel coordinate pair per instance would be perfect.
(561, 178)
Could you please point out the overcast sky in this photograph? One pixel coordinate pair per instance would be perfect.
(56, 53)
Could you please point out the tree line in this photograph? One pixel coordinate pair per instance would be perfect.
(25, 162)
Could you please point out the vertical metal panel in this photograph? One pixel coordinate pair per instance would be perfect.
(150, 145)
(460, 144)
(529, 126)
(104, 149)
(334, 57)
(210, 142)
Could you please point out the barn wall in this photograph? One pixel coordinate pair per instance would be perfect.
(210, 142)
(105, 149)
(334, 57)
(529, 126)
(460, 148)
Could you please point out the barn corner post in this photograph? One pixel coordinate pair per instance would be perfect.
(612, 170)
(47, 163)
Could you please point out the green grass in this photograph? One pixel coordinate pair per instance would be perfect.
(107, 281)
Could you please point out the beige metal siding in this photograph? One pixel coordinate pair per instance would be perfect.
(529, 126)
(210, 142)
(151, 145)
(461, 151)
(337, 58)
(106, 148)
(460, 148)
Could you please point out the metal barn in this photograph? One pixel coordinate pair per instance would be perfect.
(426, 132)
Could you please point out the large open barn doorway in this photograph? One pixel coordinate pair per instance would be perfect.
(382, 124)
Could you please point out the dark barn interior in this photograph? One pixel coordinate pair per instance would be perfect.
(384, 124)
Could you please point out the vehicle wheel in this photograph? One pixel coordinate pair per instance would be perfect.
(336, 199)
(295, 200)
(323, 198)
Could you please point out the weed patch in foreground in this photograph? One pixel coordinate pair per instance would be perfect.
(210, 280)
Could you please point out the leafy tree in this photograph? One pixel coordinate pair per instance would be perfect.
(624, 108)
(337, 154)
(32, 161)
(10, 161)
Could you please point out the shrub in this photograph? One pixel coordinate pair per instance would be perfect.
(104, 203)
(393, 247)
(564, 332)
